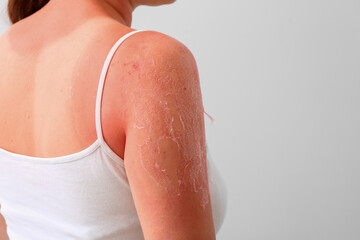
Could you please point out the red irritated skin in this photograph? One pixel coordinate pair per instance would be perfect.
(165, 154)
(3, 233)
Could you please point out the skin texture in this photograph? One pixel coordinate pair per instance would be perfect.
(152, 111)
(3, 234)
(165, 156)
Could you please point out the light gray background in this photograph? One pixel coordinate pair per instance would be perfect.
(282, 80)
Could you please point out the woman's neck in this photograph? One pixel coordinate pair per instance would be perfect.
(58, 11)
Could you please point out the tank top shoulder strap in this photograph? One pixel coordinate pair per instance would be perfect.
(102, 81)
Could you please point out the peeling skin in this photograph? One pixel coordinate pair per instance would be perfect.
(165, 109)
(211, 118)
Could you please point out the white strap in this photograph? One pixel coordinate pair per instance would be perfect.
(102, 80)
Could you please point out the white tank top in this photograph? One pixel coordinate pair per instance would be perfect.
(82, 196)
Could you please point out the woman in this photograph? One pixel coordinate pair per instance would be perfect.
(138, 168)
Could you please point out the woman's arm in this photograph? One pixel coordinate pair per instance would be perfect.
(165, 154)
(3, 233)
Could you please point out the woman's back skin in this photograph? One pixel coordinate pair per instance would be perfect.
(51, 65)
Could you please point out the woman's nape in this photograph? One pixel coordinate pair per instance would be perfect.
(119, 10)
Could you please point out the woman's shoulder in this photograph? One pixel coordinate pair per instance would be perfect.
(151, 43)
(152, 53)
(151, 64)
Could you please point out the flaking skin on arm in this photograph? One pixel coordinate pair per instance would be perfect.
(165, 154)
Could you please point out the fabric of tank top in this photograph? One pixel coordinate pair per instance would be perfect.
(82, 196)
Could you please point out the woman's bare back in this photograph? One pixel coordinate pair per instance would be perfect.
(48, 88)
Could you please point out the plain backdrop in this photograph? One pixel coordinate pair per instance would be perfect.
(281, 78)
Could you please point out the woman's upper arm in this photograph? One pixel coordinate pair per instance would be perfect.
(3, 233)
(165, 154)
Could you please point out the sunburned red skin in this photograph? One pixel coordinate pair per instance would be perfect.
(165, 108)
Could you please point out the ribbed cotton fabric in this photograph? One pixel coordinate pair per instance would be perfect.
(81, 196)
